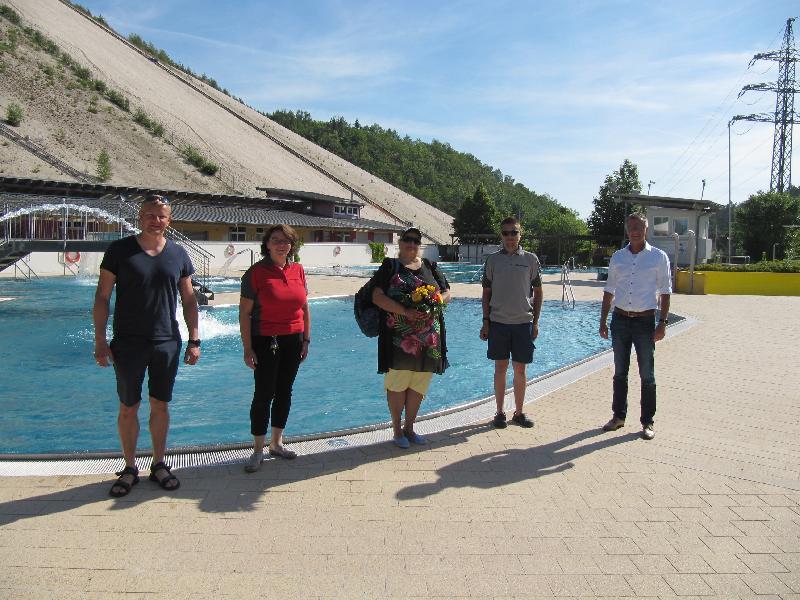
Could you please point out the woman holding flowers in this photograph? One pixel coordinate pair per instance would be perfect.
(412, 342)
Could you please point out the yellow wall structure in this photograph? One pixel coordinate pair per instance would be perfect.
(740, 283)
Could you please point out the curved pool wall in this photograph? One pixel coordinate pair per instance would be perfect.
(51, 390)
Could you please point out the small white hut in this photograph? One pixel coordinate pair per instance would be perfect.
(667, 217)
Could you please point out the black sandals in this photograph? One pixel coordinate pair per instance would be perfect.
(164, 481)
(121, 487)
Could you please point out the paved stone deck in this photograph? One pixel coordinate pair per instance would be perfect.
(709, 509)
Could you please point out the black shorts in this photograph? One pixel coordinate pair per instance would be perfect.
(511, 339)
(133, 357)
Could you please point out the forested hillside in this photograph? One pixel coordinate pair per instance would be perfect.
(434, 172)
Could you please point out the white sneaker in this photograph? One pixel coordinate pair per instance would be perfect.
(647, 432)
(254, 464)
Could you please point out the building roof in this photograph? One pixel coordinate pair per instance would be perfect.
(667, 202)
(300, 195)
(194, 207)
(255, 216)
(76, 189)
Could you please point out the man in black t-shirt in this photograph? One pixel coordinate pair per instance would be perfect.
(149, 271)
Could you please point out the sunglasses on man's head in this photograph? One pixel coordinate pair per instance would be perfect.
(157, 199)
(511, 232)
(410, 239)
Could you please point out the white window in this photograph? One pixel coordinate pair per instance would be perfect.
(681, 226)
(237, 234)
(339, 210)
(660, 226)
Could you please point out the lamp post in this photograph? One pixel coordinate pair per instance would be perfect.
(649, 183)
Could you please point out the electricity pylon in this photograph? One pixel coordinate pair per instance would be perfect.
(785, 116)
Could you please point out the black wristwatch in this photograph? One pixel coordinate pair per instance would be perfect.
(195, 343)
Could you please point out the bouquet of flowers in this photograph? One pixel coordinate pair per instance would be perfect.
(422, 335)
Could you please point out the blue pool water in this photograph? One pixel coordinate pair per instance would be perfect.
(55, 399)
(455, 273)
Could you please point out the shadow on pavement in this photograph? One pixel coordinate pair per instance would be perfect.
(493, 469)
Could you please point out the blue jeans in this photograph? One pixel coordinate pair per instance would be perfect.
(636, 332)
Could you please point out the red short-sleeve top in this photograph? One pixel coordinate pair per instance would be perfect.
(279, 295)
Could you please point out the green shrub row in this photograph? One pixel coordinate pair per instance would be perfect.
(10, 45)
(153, 126)
(764, 266)
(163, 57)
(194, 158)
(83, 74)
(378, 251)
(9, 14)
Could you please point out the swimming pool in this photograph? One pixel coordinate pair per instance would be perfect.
(55, 399)
(455, 273)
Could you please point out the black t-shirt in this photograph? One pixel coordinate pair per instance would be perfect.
(147, 288)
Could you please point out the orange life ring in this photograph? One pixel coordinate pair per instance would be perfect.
(229, 251)
(72, 257)
(337, 251)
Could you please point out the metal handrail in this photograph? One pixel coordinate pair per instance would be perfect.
(28, 273)
(567, 293)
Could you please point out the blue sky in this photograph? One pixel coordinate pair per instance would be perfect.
(555, 94)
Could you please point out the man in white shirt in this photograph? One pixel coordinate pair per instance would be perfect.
(638, 282)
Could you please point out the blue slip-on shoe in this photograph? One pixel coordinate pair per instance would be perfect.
(415, 438)
(401, 442)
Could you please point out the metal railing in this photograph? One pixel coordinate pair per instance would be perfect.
(22, 266)
(567, 293)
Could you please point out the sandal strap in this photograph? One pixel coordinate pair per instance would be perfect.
(161, 465)
(127, 471)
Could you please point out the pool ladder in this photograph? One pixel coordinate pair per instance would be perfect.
(567, 293)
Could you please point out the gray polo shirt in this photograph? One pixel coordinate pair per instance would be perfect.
(511, 278)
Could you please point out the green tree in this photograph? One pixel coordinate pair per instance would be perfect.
(608, 217)
(477, 215)
(433, 172)
(103, 170)
(14, 114)
(560, 223)
(760, 223)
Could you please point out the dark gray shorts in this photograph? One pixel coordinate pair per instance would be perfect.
(132, 358)
(510, 339)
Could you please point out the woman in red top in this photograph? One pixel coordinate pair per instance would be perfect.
(275, 324)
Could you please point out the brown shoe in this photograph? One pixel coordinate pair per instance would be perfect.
(614, 424)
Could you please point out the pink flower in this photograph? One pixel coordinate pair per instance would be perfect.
(432, 339)
(390, 321)
(411, 345)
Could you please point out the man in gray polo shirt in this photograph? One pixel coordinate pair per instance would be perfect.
(512, 303)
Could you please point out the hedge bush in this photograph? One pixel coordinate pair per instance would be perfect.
(764, 266)
(10, 14)
(14, 114)
(194, 158)
(378, 251)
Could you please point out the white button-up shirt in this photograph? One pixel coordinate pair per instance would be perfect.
(638, 280)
